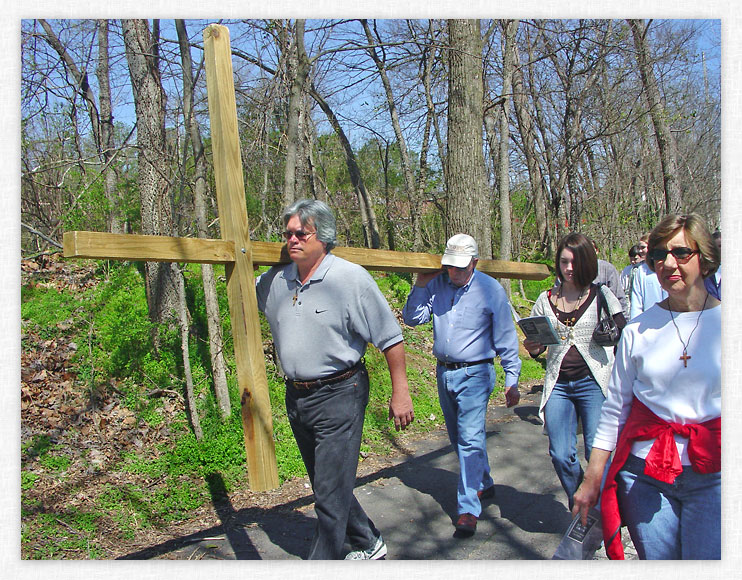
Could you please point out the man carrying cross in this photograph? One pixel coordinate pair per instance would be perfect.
(471, 325)
(323, 311)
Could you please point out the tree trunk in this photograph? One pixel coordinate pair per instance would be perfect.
(299, 65)
(214, 323)
(163, 280)
(526, 130)
(154, 187)
(428, 57)
(107, 147)
(468, 196)
(665, 140)
(184, 325)
(409, 176)
(503, 171)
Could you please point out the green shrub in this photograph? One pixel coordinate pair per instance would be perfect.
(28, 480)
(37, 446)
(122, 326)
(56, 463)
(46, 307)
(50, 540)
(395, 287)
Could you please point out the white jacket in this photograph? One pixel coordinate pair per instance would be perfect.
(598, 358)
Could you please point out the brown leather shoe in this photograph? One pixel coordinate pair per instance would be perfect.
(486, 493)
(467, 523)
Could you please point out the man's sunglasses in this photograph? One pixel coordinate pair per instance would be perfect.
(680, 254)
(301, 235)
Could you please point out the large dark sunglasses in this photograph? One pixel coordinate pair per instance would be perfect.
(301, 235)
(680, 254)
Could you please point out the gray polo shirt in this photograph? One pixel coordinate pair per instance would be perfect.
(325, 325)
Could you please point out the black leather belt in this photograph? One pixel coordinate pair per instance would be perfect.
(305, 385)
(461, 365)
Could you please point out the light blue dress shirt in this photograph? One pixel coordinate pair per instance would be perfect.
(470, 323)
(645, 291)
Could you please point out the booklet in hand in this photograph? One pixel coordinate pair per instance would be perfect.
(539, 329)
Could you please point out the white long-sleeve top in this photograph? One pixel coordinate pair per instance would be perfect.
(648, 367)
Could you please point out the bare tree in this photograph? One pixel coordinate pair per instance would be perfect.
(528, 139)
(500, 149)
(214, 323)
(368, 214)
(468, 200)
(665, 140)
(107, 146)
(299, 66)
(163, 280)
(99, 114)
(409, 176)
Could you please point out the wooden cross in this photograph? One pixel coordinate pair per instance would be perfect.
(239, 254)
(685, 357)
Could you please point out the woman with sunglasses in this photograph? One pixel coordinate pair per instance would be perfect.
(662, 415)
(577, 368)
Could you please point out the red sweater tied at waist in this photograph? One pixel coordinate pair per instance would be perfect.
(662, 462)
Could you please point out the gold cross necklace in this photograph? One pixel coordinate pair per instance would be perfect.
(570, 321)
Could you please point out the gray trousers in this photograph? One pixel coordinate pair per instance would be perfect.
(328, 423)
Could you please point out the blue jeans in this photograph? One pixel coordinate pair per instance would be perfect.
(463, 394)
(567, 402)
(681, 520)
(328, 423)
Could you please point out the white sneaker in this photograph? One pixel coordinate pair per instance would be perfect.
(376, 552)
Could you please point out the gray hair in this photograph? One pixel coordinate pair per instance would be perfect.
(316, 213)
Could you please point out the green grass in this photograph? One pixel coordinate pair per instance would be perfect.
(47, 307)
(58, 536)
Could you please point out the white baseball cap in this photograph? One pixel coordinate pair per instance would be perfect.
(460, 249)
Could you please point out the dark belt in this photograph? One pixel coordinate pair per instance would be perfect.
(305, 385)
(461, 365)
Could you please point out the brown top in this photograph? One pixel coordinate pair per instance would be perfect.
(573, 366)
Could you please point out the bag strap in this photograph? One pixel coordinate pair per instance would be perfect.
(602, 305)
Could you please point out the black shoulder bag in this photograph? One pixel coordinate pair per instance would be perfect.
(606, 332)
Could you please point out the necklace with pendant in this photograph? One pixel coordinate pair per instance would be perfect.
(685, 356)
(569, 322)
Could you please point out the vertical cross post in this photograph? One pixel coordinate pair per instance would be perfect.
(243, 306)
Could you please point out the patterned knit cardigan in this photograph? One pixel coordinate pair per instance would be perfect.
(598, 358)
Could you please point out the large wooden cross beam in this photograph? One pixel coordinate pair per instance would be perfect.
(239, 254)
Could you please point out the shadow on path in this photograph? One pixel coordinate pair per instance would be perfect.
(409, 501)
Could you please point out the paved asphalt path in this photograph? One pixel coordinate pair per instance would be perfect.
(412, 501)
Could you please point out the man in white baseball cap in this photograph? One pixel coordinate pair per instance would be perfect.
(472, 325)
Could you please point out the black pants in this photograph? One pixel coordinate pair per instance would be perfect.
(328, 423)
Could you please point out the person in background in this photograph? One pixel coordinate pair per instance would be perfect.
(645, 288)
(472, 324)
(662, 415)
(643, 247)
(627, 274)
(713, 282)
(577, 368)
(323, 312)
(608, 275)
